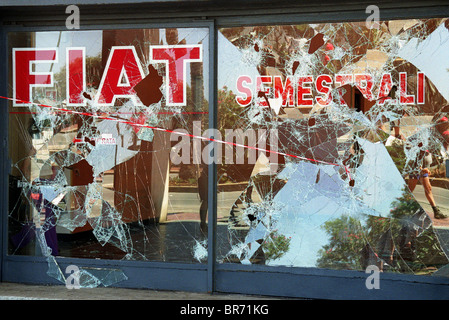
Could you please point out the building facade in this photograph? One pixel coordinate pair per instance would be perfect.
(258, 147)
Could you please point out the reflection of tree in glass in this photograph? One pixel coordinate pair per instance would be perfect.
(275, 245)
(232, 116)
(404, 206)
(346, 242)
(93, 74)
(396, 151)
(402, 240)
(416, 241)
(230, 111)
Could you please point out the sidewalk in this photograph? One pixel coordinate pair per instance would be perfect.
(15, 291)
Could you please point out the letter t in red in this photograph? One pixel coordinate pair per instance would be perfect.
(176, 58)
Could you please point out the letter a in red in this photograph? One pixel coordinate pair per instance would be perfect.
(123, 71)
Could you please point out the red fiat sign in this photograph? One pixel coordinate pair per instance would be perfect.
(123, 71)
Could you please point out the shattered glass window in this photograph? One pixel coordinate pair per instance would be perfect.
(335, 146)
(331, 146)
(100, 137)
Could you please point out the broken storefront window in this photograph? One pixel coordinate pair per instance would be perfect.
(91, 121)
(355, 171)
(330, 147)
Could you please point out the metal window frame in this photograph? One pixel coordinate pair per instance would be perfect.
(215, 277)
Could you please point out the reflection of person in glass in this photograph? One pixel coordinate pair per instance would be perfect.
(45, 211)
(202, 191)
(421, 173)
(423, 177)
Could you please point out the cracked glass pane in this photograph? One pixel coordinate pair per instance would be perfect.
(335, 146)
(105, 128)
(331, 146)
